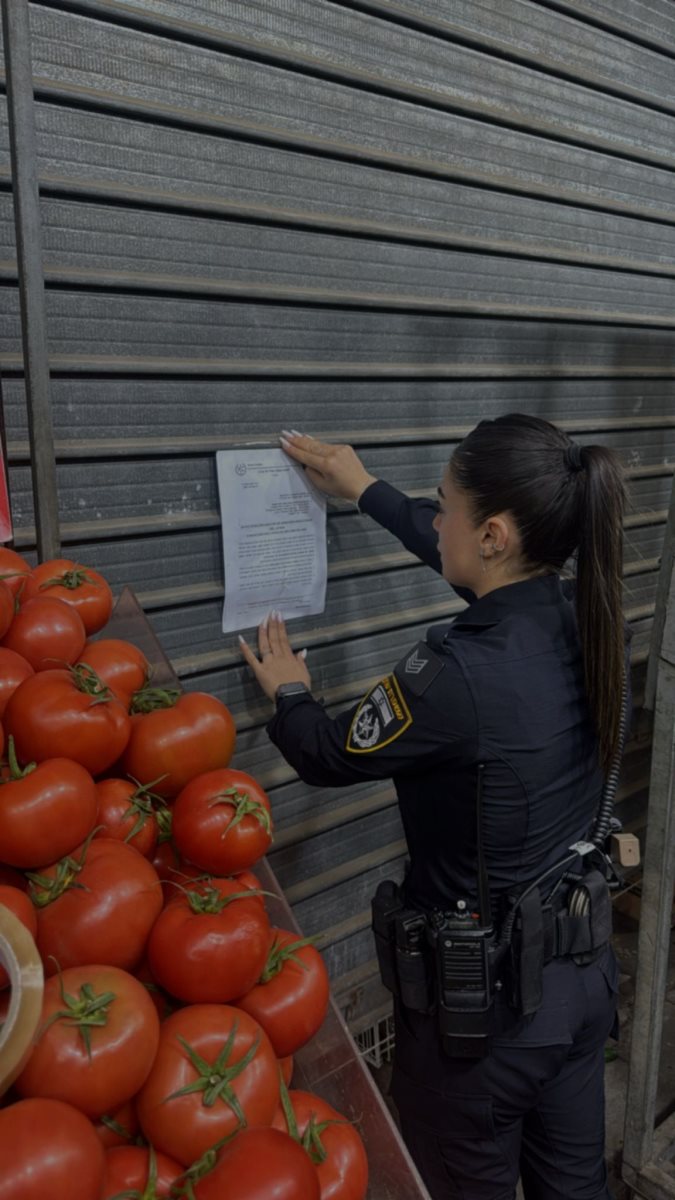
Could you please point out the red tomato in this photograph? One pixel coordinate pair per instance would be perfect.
(83, 589)
(54, 710)
(14, 570)
(121, 665)
(259, 1164)
(141, 1171)
(47, 633)
(291, 998)
(210, 944)
(286, 1068)
(100, 1033)
(98, 907)
(6, 608)
(126, 812)
(246, 879)
(13, 670)
(2, 740)
(118, 1128)
(194, 735)
(222, 822)
(18, 903)
(45, 812)
(207, 1044)
(332, 1143)
(48, 1150)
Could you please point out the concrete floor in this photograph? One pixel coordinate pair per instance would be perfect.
(616, 1074)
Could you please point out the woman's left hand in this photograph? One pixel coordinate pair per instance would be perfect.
(277, 663)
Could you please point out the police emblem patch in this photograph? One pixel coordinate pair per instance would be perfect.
(381, 717)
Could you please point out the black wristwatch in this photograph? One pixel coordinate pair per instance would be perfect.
(290, 689)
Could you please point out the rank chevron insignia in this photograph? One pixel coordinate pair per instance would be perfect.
(414, 665)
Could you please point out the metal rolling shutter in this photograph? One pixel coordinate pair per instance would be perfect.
(378, 221)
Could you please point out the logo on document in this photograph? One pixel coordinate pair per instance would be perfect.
(240, 469)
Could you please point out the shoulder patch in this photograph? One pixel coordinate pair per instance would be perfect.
(382, 716)
(419, 668)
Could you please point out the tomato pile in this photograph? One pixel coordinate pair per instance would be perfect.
(172, 1008)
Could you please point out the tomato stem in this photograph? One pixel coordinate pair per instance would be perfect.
(243, 806)
(202, 1166)
(149, 699)
(210, 900)
(86, 680)
(287, 1107)
(51, 887)
(279, 954)
(215, 1079)
(70, 579)
(115, 1127)
(84, 1013)
(14, 768)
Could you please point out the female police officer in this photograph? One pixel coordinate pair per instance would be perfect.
(522, 691)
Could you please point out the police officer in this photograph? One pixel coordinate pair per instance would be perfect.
(523, 688)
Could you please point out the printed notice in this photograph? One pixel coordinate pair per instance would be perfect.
(274, 538)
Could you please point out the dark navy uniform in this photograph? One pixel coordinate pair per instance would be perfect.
(501, 685)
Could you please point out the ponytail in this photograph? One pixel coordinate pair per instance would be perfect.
(599, 592)
(565, 499)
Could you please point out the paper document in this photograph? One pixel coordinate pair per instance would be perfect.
(274, 538)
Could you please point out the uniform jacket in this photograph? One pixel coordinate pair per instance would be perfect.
(502, 685)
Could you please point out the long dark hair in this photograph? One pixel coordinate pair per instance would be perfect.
(564, 498)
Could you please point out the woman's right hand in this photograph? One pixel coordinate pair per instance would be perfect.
(335, 470)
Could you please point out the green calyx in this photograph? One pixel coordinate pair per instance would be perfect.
(215, 1079)
(210, 900)
(150, 1190)
(310, 1140)
(115, 1127)
(149, 699)
(142, 803)
(164, 818)
(184, 1186)
(44, 889)
(279, 955)
(86, 680)
(70, 580)
(84, 1012)
(243, 806)
(15, 770)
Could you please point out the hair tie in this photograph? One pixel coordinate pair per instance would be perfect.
(572, 457)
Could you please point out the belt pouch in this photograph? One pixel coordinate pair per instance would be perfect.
(599, 917)
(413, 964)
(386, 905)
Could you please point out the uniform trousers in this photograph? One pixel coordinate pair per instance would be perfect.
(532, 1107)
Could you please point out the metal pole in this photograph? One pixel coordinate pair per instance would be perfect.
(23, 143)
(657, 887)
